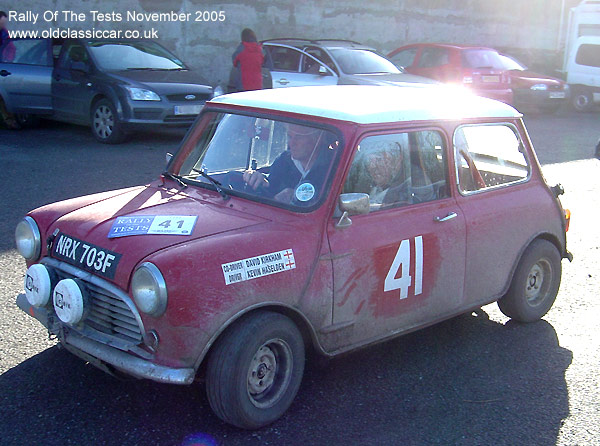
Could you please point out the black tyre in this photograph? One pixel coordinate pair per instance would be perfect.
(582, 100)
(27, 121)
(255, 369)
(535, 284)
(106, 126)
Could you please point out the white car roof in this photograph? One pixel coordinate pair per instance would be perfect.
(368, 104)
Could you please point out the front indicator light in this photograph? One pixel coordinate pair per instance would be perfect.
(567, 219)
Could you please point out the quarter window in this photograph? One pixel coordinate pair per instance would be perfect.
(399, 169)
(488, 156)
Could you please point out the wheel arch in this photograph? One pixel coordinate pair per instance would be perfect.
(552, 238)
(309, 334)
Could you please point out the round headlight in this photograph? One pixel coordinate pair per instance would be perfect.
(28, 239)
(149, 289)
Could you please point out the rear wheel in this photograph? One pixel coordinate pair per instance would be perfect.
(106, 126)
(535, 284)
(255, 370)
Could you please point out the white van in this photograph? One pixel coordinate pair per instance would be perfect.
(583, 72)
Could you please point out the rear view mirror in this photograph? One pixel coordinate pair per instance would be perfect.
(352, 204)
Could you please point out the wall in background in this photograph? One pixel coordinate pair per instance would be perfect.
(531, 25)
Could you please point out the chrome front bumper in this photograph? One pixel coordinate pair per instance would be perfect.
(89, 349)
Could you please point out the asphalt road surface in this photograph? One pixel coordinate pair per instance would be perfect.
(478, 379)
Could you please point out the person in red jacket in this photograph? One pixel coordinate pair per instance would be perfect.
(249, 58)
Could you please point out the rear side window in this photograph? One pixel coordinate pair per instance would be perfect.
(26, 52)
(399, 169)
(404, 58)
(488, 156)
(588, 55)
(433, 57)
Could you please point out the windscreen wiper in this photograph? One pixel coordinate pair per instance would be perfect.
(175, 178)
(215, 183)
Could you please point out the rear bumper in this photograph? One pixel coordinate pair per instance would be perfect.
(101, 355)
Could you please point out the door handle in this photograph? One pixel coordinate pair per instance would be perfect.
(283, 81)
(57, 77)
(450, 216)
(5, 73)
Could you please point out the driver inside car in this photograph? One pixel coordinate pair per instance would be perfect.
(297, 173)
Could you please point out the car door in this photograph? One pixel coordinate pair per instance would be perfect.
(401, 265)
(70, 83)
(288, 71)
(25, 76)
(495, 195)
(433, 63)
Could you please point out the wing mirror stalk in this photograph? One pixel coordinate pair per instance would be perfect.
(352, 204)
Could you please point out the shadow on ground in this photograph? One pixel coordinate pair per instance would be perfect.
(467, 381)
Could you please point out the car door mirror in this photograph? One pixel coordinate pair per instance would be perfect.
(80, 67)
(168, 157)
(352, 204)
(323, 71)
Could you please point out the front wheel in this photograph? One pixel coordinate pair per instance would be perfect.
(535, 284)
(255, 370)
(106, 126)
(582, 100)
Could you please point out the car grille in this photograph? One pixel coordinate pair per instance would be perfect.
(200, 97)
(108, 313)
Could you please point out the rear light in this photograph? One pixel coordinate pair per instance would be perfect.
(567, 219)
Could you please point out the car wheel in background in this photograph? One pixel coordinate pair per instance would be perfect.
(255, 369)
(26, 121)
(582, 100)
(106, 126)
(535, 283)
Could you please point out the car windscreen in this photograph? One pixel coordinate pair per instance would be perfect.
(357, 61)
(281, 163)
(508, 63)
(482, 59)
(116, 56)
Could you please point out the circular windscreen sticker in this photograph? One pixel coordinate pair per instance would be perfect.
(305, 192)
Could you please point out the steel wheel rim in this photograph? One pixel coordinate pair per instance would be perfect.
(538, 282)
(103, 121)
(582, 101)
(269, 373)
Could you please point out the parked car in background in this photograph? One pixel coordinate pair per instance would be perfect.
(534, 90)
(113, 86)
(315, 218)
(477, 68)
(301, 62)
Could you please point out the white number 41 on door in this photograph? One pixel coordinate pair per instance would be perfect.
(402, 263)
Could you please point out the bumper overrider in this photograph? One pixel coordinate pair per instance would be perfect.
(99, 348)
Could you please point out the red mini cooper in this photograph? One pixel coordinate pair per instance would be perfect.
(321, 218)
